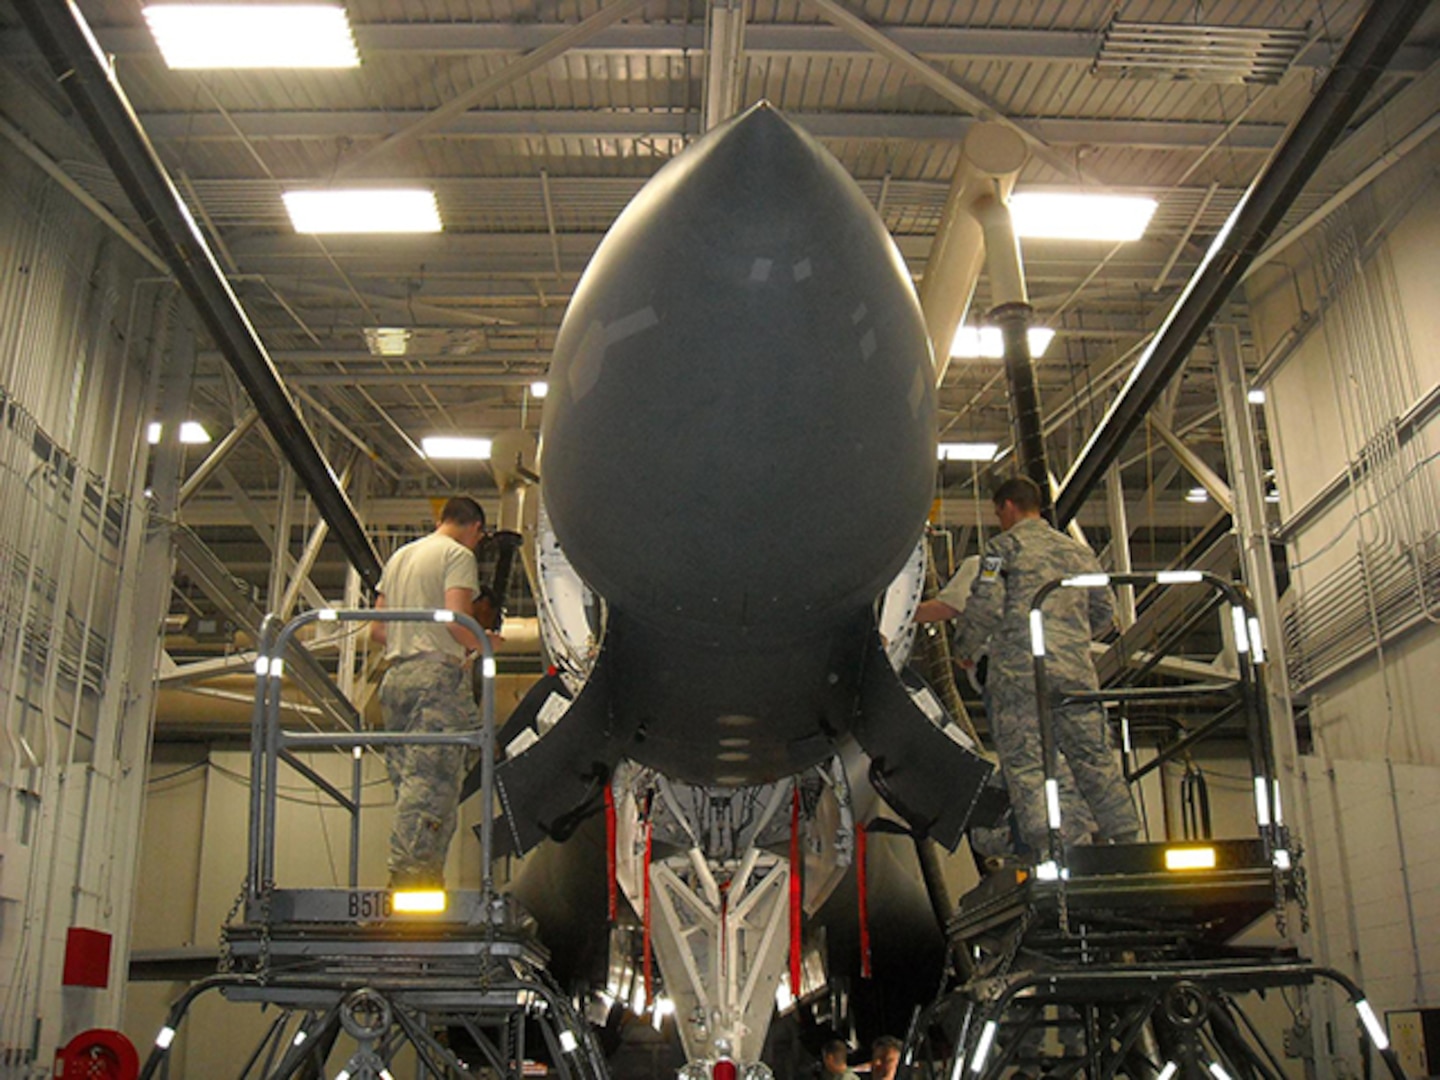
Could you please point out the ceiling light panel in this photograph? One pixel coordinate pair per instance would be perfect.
(455, 448)
(207, 36)
(382, 210)
(1040, 215)
(987, 343)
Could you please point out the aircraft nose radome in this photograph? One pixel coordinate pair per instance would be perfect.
(740, 428)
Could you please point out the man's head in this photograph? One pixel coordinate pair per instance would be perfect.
(463, 520)
(884, 1057)
(1015, 500)
(834, 1054)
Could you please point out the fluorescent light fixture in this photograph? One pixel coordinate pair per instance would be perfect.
(987, 343)
(387, 340)
(1072, 216)
(1197, 495)
(539, 388)
(191, 432)
(1372, 1025)
(455, 448)
(967, 451)
(1256, 396)
(192, 36)
(418, 901)
(353, 210)
(1190, 858)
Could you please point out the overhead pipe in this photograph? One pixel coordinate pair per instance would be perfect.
(1012, 313)
(990, 159)
(70, 48)
(1377, 37)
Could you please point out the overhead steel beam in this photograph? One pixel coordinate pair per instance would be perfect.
(657, 124)
(1195, 465)
(610, 12)
(724, 61)
(73, 55)
(806, 40)
(1378, 35)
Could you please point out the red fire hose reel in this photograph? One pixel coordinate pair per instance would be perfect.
(98, 1054)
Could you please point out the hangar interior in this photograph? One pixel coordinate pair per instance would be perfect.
(134, 574)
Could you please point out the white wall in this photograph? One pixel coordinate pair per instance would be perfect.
(1369, 809)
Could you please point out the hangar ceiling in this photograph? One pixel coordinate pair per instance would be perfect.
(535, 123)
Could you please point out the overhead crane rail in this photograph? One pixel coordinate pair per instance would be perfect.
(378, 971)
(1126, 955)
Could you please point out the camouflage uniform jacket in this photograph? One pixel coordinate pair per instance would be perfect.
(1016, 563)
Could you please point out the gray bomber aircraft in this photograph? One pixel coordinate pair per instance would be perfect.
(738, 454)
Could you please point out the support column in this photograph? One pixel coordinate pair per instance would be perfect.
(1119, 544)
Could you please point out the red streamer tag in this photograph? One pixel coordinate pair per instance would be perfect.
(862, 889)
(795, 893)
(611, 890)
(645, 946)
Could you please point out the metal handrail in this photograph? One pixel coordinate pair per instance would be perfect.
(1246, 686)
(269, 743)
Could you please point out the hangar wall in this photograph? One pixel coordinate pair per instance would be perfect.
(77, 654)
(1352, 418)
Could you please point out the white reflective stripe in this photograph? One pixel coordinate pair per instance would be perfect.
(299, 1039)
(1125, 735)
(1037, 632)
(1275, 802)
(1052, 802)
(326, 614)
(1218, 1071)
(1372, 1025)
(1242, 632)
(1086, 581)
(165, 1037)
(444, 615)
(262, 666)
(1257, 648)
(487, 667)
(358, 751)
(277, 667)
(1262, 802)
(1048, 871)
(1282, 859)
(1168, 1071)
(982, 1048)
(568, 1042)
(1179, 577)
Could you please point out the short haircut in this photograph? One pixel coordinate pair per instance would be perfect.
(883, 1043)
(1020, 490)
(462, 510)
(835, 1046)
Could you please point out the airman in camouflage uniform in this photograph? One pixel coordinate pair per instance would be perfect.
(1024, 557)
(427, 688)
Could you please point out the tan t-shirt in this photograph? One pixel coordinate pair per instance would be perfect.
(416, 577)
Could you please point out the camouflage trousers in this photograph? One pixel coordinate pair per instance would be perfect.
(425, 696)
(1083, 738)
